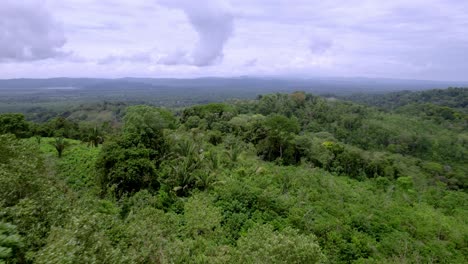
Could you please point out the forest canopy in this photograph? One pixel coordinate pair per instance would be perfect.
(284, 178)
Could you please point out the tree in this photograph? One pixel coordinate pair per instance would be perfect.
(126, 167)
(146, 124)
(212, 112)
(278, 143)
(60, 127)
(59, 144)
(94, 137)
(14, 124)
(129, 163)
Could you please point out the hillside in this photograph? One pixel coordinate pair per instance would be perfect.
(284, 178)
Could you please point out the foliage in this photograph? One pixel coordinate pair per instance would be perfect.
(94, 137)
(125, 166)
(263, 245)
(10, 241)
(60, 144)
(282, 179)
(20, 167)
(201, 218)
(14, 124)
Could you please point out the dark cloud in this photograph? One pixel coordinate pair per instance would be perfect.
(213, 21)
(28, 32)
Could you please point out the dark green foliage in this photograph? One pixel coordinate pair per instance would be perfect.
(146, 124)
(93, 136)
(19, 167)
(129, 163)
(126, 168)
(209, 111)
(14, 124)
(10, 242)
(278, 143)
(59, 127)
(215, 137)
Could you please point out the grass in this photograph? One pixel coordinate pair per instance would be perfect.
(77, 165)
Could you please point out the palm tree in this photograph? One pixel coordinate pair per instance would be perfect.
(95, 137)
(60, 144)
(182, 174)
(205, 179)
(233, 153)
(213, 160)
(187, 148)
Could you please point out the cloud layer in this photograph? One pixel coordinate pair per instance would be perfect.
(28, 31)
(418, 39)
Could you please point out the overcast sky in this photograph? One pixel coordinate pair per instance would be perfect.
(415, 39)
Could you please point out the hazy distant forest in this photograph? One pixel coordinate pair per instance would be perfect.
(232, 176)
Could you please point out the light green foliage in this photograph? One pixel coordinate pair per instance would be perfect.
(82, 240)
(60, 144)
(195, 122)
(77, 167)
(148, 235)
(201, 218)
(263, 245)
(249, 127)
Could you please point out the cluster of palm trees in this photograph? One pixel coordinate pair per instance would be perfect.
(193, 167)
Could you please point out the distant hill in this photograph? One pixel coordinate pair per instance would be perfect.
(61, 94)
(249, 85)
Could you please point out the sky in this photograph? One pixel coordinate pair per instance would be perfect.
(408, 39)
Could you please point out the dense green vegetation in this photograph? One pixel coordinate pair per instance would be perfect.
(285, 178)
(452, 97)
(448, 107)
